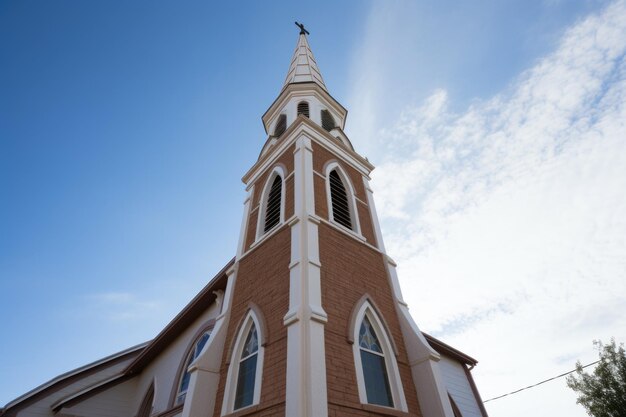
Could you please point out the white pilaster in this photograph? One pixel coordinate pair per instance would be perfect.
(306, 360)
(423, 359)
(205, 370)
(244, 222)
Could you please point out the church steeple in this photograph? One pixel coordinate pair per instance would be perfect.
(303, 67)
(304, 93)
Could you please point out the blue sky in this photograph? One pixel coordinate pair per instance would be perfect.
(125, 130)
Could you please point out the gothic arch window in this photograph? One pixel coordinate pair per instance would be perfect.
(185, 377)
(303, 109)
(328, 122)
(281, 125)
(272, 203)
(243, 383)
(377, 371)
(341, 198)
(145, 408)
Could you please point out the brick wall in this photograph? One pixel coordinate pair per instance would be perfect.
(349, 270)
(263, 278)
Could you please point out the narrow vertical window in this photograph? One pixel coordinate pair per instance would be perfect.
(247, 370)
(186, 376)
(374, 367)
(281, 125)
(303, 109)
(328, 122)
(339, 200)
(274, 199)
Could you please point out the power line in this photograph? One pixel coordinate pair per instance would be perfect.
(539, 383)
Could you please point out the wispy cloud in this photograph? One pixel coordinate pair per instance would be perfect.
(508, 218)
(120, 306)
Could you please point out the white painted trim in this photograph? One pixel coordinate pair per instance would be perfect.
(244, 222)
(190, 351)
(374, 215)
(393, 372)
(278, 170)
(354, 214)
(206, 369)
(228, 403)
(324, 139)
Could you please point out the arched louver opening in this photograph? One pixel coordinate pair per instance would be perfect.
(303, 108)
(281, 125)
(374, 367)
(272, 210)
(328, 122)
(339, 200)
(246, 377)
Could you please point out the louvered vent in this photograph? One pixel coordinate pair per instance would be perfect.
(303, 108)
(339, 200)
(272, 211)
(281, 125)
(328, 123)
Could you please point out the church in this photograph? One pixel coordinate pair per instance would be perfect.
(306, 320)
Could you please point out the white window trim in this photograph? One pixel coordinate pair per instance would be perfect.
(393, 373)
(228, 404)
(260, 225)
(185, 369)
(354, 217)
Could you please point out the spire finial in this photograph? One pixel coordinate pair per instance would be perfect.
(303, 31)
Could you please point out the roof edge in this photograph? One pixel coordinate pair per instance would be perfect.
(155, 345)
(445, 349)
(75, 372)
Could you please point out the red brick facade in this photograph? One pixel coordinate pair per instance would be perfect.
(350, 268)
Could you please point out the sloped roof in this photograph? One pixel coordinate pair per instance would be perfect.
(303, 67)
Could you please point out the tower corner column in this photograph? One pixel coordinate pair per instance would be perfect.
(306, 360)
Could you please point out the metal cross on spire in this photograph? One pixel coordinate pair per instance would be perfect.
(303, 31)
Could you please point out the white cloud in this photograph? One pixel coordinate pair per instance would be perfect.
(120, 306)
(508, 219)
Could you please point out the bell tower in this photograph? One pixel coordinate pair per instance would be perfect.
(312, 320)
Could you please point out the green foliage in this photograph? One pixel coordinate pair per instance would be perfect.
(603, 392)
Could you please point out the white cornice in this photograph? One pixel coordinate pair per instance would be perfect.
(301, 89)
(304, 126)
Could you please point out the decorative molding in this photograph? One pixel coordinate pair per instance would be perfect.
(366, 298)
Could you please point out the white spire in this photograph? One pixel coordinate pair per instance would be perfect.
(303, 67)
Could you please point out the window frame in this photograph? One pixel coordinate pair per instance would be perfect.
(183, 368)
(230, 392)
(350, 195)
(391, 364)
(263, 202)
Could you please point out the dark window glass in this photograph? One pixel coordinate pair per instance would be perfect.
(339, 200)
(376, 382)
(272, 210)
(374, 369)
(328, 122)
(303, 108)
(281, 125)
(247, 371)
(245, 382)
